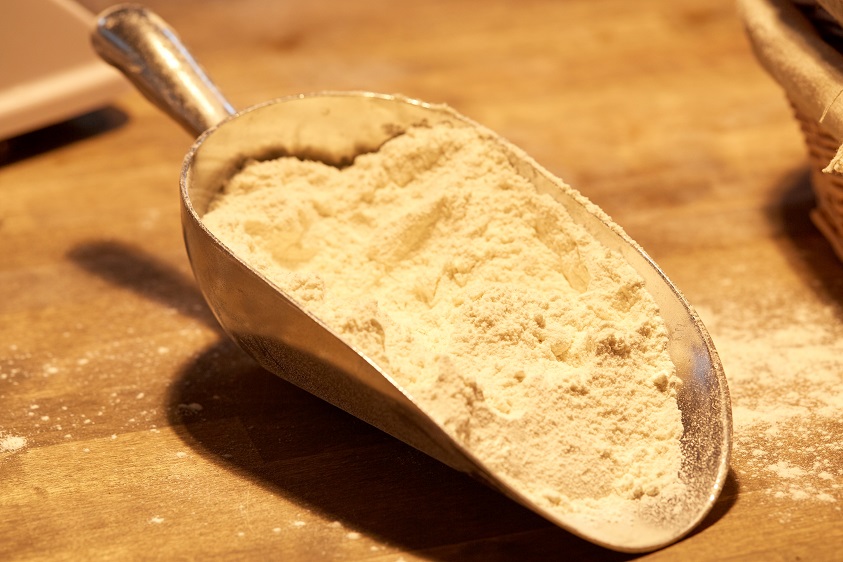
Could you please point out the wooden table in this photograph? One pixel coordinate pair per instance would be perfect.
(148, 435)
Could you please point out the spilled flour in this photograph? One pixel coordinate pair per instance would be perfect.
(785, 365)
(11, 443)
(536, 347)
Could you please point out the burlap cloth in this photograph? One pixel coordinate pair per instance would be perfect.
(808, 68)
(833, 7)
(799, 42)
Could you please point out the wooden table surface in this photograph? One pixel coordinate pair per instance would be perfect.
(131, 428)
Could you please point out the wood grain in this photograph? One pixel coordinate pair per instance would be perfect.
(151, 436)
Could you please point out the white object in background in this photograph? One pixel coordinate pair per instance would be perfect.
(48, 70)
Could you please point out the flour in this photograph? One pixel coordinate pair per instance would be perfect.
(11, 443)
(785, 366)
(536, 347)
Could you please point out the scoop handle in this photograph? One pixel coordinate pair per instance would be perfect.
(144, 48)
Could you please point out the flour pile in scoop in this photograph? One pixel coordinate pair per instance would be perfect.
(533, 345)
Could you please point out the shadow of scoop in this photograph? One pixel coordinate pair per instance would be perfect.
(130, 267)
(317, 456)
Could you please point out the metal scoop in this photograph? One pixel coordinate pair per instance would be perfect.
(334, 127)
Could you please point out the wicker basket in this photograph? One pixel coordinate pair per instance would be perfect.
(828, 214)
(822, 145)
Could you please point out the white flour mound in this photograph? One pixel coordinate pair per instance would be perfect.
(536, 347)
(11, 443)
